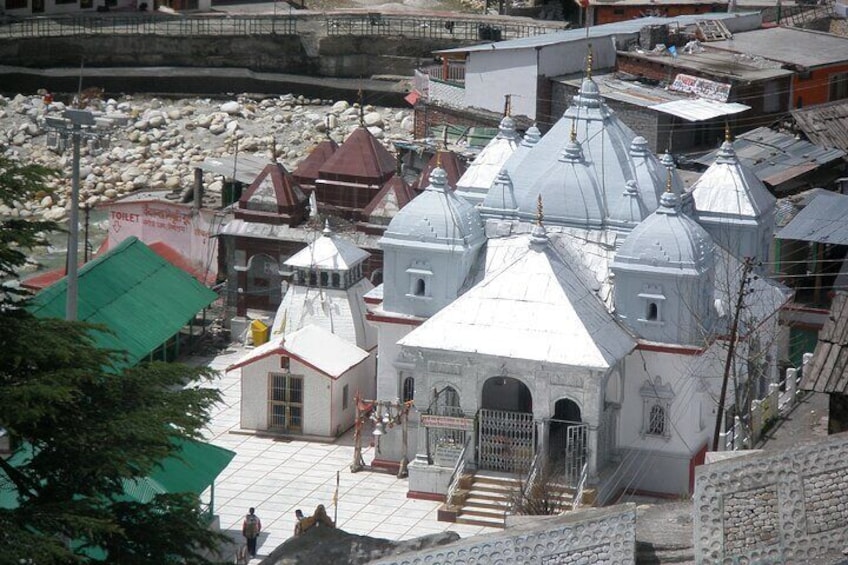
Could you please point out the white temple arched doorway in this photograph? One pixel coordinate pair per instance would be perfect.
(506, 430)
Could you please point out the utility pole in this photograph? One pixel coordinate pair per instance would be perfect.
(76, 125)
(747, 267)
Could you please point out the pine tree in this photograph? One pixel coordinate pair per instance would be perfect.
(89, 427)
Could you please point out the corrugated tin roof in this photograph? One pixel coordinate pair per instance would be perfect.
(825, 124)
(699, 109)
(193, 468)
(528, 310)
(791, 45)
(243, 168)
(361, 158)
(823, 221)
(776, 157)
(138, 295)
(285, 232)
(603, 30)
(828, 370)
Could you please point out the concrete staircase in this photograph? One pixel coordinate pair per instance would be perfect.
(483, 499)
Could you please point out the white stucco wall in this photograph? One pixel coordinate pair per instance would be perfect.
(569, 58)
(322, 396)
(694, 379)
(388, 385)
(180, 226)
(489, 76)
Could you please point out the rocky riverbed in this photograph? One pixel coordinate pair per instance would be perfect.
(155, 143)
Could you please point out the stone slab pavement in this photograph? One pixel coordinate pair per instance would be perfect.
(277, 476)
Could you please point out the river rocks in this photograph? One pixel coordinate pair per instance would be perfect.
(231, 108)
(157, 143)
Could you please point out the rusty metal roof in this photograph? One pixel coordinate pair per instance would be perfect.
(776, 157)
(360, 159)
(454, 168)
(394, 195)
(273, 190)
(825, 124)
(307, 171)
(828, 370)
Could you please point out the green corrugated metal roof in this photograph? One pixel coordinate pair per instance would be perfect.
(133, 291)
(193, 468)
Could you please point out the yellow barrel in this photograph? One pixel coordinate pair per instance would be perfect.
(259, 331)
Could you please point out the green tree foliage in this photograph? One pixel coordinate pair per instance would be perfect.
(90, 427)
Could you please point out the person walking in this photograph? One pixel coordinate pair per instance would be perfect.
(250, 529)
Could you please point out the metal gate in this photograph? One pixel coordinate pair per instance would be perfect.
(575, 452)
(567, 444)
(506, 441)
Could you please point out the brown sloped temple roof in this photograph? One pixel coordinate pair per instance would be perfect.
(360, 159)
(307, 171)
(828, 370)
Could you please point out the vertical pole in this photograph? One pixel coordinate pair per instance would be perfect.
(731, 347)
(87, 209)
(404, 460)
(73, 232)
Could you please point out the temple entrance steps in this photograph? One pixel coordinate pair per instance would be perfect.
(485, 498)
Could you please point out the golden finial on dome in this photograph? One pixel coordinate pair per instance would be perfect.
(573, 130)
(507, 104)
(438, 158)
(589, 63)
(668, 181)
(540, 211)
(727, 136)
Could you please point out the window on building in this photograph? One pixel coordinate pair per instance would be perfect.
(447, 402)
(618, 11)
(345, 397)
(284, 362)
(313, 278)
(285, 402)
(652, 301)
(838, 86)
(420, 288)
(652, 311)
(656, 405)
(657, 420)
(325, 279)
(407, 389)
(336, 280)
(16, 4)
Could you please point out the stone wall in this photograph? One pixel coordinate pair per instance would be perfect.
(597, 535)
(787, 507)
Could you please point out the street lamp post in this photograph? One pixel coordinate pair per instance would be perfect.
(76, 125)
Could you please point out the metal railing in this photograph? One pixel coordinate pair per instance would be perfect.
(451, 71)
(530, 479)
(581, 485)
(184, 26)
(458, 471)
(432, 28)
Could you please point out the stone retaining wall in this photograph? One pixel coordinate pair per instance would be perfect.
(786, 507)
(602, 536)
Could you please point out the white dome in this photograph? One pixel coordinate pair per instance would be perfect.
(436, 216)
(612, 155)
(668, 241)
